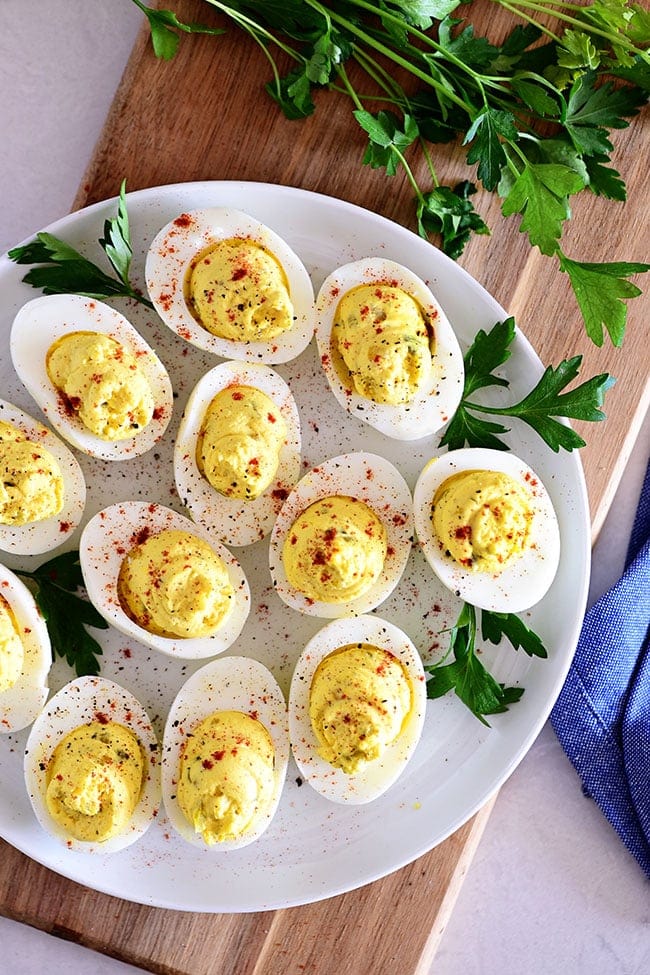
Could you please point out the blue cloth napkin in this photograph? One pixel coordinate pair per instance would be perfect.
(602, 716)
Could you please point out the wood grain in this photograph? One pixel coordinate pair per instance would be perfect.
(203, 116)
(353, 933)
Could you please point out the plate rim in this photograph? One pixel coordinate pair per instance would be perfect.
(145, 195)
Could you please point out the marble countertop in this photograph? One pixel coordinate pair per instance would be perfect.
(551, 887)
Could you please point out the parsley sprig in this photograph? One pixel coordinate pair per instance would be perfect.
(165, 28)
(63, 270)
(534, 114)
(539, 409)
(67, 614)
(466, 675)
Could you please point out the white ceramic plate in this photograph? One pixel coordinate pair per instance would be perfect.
(313, 848)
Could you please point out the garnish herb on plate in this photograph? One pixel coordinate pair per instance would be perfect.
(67, 614)
(538, 409)
(533, 118)
(466, 674)
(63, 270)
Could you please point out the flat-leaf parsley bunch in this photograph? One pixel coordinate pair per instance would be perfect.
(533, 114)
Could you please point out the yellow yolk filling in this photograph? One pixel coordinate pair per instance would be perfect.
(31, 482)
(383, 338)
(359, 702)
(335, 550)
(237, 290)
(239, 442)
(173, 584)
(12, 651)
(102, 383)
(482, 519)
(226, 776)
(94, 780)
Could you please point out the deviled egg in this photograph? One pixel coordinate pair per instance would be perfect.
(237, 452)
(25, 655)
(487, 526)
(163, 580)
(92, 767)
(96, 379)
(342, 538)
(356, 708)
(225, 754)
(387, 348)
(231, 286)
(42, 486)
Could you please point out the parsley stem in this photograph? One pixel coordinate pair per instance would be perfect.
(429, 162)
(374, 70)
(391, 55)
(355, 98)
(494, 410)
(380, 76)
(492, 81)
(538, 6)
(530, 20)
(348, 87)
(387, 14)
(253, 28)
(411, 178)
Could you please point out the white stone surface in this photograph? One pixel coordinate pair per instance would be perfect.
(551, 887)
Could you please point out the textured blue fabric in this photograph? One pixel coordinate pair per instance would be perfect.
(602, 716)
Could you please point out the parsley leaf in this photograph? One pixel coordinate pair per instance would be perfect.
(422, 13)
(465, 428)
(67, 614)
(488, 351)
(387, 139)
(562, 151)
(577, 51)
(293, 94)
(546, 401)
(486, 148)
(116, 241)
(605, 180)
(539, 409)
(601, 291)
(165, 25)
(637, 73)
(327, 53)
(536, 97)
(477, 52)
(450, 213)
(540, 193)
(65, 271)
(496, 625)
(591, 110)
(466, 675)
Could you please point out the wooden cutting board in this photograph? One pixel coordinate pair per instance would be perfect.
(204, 116)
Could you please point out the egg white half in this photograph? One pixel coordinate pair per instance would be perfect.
(234, 521)
(373, 778)
(525, 580)
(43, 536)
(80, 702)
(106, 540)
(227, 684)
(368, 478)
(22, 703)
(436, 402)
(168, 260)
(40, 323)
